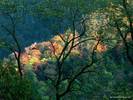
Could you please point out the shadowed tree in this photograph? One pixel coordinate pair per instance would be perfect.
(75, 13)
(13, 12)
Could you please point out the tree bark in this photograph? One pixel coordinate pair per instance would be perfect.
(57, 96)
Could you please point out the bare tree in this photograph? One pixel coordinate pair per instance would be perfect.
(17, 48)
(69, 45)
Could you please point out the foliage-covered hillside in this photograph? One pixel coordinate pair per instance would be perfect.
(66, 49)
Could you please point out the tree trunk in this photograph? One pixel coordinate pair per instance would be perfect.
(57, 96)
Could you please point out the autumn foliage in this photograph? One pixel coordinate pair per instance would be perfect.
(54, 47)
(101, 47)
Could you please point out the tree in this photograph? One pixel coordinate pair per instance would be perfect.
(75, 13)
(122, 20)
(12, 10)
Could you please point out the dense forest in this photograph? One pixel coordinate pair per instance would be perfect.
(66, 49)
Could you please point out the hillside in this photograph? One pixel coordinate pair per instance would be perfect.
(66, 49)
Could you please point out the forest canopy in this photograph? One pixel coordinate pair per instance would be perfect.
(66, 49)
